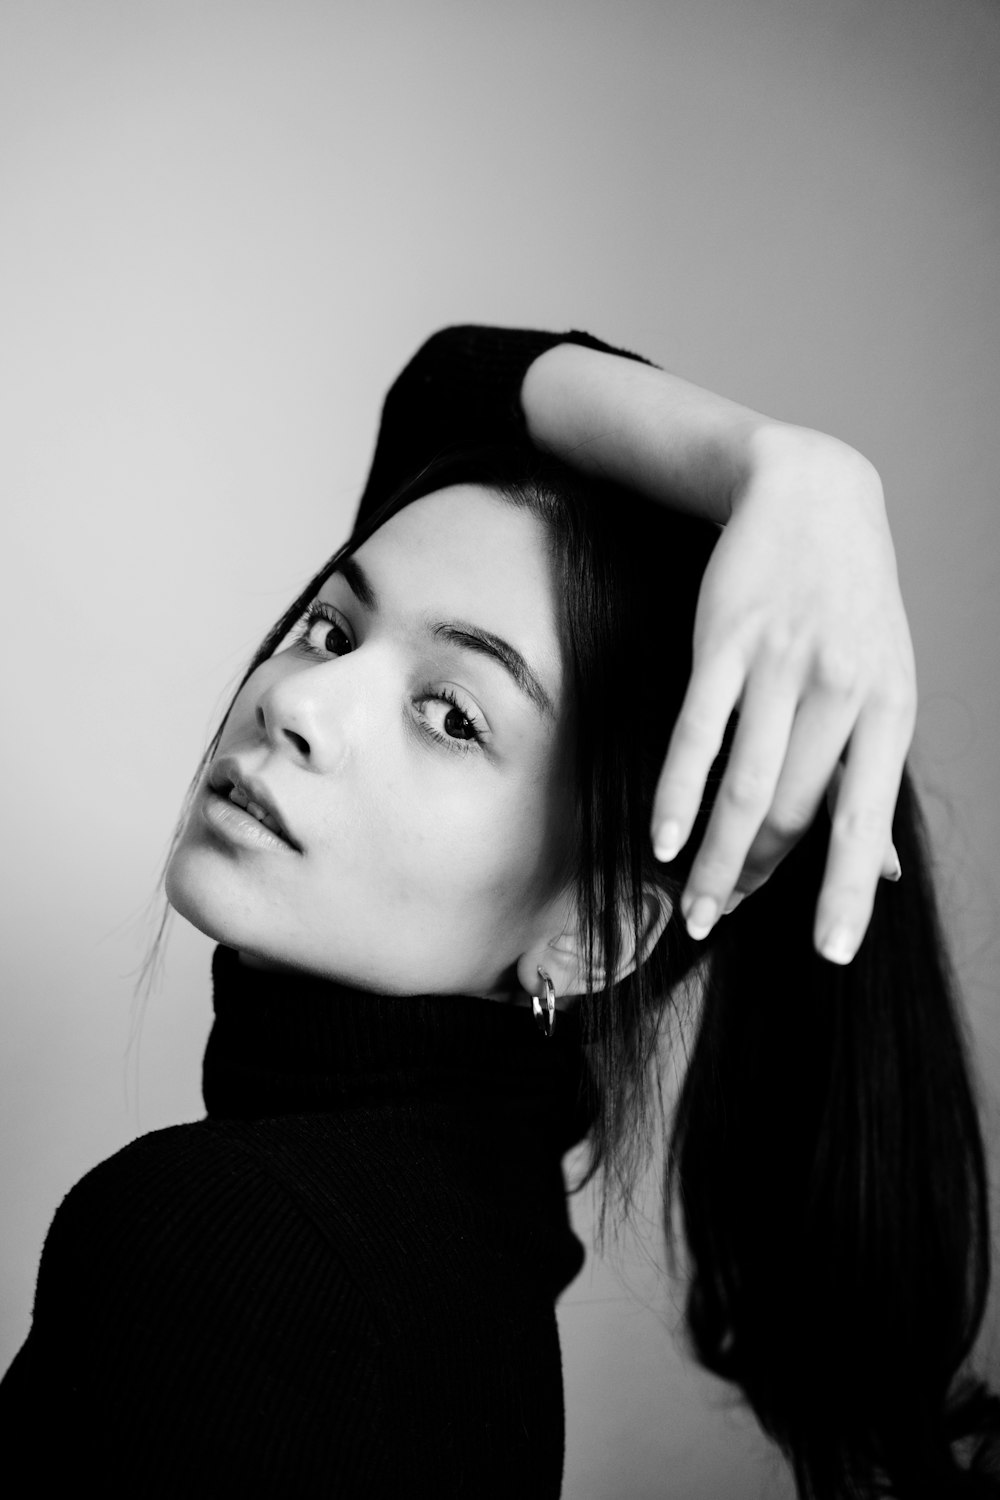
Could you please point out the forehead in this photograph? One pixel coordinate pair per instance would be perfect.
(471, 530)
(466, 553)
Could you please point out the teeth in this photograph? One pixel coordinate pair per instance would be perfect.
(240, 798)
(262, 815)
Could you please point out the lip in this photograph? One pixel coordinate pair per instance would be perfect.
(231, 819)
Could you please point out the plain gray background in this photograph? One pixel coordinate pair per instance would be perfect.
(226, 224)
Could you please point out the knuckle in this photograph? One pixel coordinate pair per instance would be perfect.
(746, 789)
(678, 798)
(898, 704)
(780, 643)
(837, 671)
(713, 874)
(694, 728)
(790, 821)
(860, 825)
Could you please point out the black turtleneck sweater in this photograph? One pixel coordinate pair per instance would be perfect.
(341, 1282)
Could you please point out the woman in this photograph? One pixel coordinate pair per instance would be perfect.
(449, 947)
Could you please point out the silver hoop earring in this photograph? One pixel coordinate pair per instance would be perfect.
(545, 1018)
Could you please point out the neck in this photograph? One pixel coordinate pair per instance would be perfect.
(508, 992)
(455, 1085)
(289, 1042)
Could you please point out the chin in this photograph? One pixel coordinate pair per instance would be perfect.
(209, 900)
(195, 895)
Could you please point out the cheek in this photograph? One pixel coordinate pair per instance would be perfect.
(488, 852)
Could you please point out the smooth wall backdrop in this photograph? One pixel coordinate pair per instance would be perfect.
(226, 224)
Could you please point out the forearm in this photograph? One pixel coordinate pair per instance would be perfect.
(644, 428)
(599, 411)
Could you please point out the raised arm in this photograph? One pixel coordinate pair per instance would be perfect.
(627, 421)
(800, 625)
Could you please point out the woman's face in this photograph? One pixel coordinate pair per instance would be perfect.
(412, 746)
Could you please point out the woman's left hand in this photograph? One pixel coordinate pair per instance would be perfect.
(800, 625)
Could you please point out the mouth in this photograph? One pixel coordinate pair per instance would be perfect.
(245, 792)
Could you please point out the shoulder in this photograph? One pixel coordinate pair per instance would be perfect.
(186, 1236)
(182, 1168)
(184, 1290)
(191, 1211)
(350, 1199)
(283, 1259)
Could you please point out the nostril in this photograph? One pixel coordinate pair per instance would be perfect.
(274, 719)
(299, 741)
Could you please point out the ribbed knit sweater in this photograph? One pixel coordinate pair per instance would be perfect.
(339, 1283)
(462, 389)
(342, 1281)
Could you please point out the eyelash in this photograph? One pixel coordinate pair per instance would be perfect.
(320, 610)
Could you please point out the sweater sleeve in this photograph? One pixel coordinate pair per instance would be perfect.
(462, 388)
(192, 1335)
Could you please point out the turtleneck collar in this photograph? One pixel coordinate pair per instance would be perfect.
(286, 1043)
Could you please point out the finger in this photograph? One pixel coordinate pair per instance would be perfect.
(712, 694)
(767, 712)
(800, 790)
(891, 868)
(861, 830)
(821, 730)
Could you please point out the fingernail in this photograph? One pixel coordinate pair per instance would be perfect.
(667, 842)
(896, 873)
(838, 946)
(701, 918)
(733, 902)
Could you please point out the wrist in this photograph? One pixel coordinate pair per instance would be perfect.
(816, 464)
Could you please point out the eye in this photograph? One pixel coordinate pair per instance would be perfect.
(324, 631)
(448, 722)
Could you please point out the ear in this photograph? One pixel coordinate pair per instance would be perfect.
(561, 949)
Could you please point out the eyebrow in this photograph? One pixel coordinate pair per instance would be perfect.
(460, 633)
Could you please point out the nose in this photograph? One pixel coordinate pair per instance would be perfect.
(309, 714)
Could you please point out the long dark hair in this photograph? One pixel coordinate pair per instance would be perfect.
(825, 1159)
(825, 1165)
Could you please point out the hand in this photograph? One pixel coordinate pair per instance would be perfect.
(801, 625)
